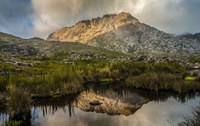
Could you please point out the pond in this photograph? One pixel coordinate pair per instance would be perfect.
(115, 106)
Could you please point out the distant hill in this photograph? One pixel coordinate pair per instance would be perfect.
(12, 47)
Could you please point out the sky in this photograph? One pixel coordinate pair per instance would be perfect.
(39, 18)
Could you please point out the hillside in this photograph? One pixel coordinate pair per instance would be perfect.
(12, 48)
(124, 33)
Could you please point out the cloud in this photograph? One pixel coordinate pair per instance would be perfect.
(52, 14)
(28, 18)
(173, 16)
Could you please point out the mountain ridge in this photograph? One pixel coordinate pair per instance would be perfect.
(124, 33)
(86, 29)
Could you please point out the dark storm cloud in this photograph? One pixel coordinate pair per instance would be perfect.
(41, 17)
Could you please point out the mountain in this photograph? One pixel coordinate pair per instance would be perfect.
(124, 33)
(87, 29)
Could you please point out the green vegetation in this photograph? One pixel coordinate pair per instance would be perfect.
(12, 123)
(18, 100)
(52, 78)
(162, 81)
(42, 80)
(189, 78)
(17, 105)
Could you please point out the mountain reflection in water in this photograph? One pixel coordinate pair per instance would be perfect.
(120, 107)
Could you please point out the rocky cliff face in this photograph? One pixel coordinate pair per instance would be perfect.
(88, 29)
(124, 33)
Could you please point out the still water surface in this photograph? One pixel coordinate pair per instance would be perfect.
(118, 108)
(166, 113)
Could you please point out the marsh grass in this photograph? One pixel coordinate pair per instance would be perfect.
(189, 78)
(18, 100)
(17, 106)
(50, 78)
(162, 81)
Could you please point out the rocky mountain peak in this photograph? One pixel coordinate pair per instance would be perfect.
(124, 33)
(126, 15)
(122, 17)
(87, 29)
(83, 22)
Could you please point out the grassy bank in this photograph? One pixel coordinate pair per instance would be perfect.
(52, 78)
(163, 81)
